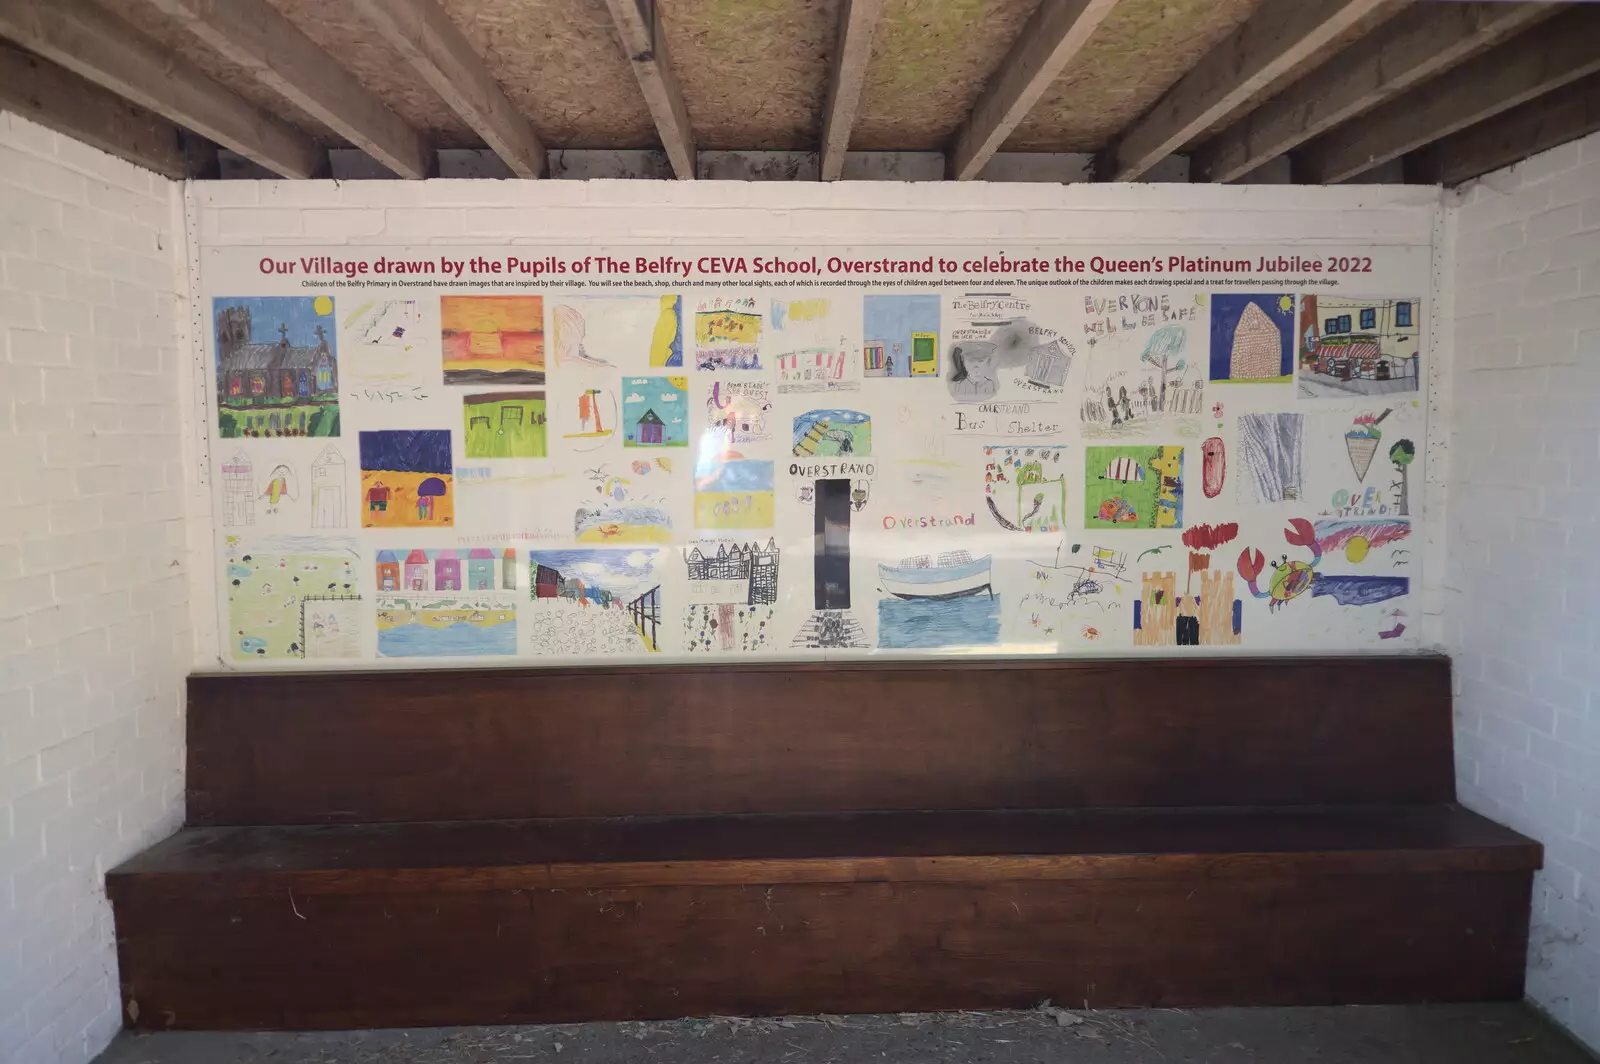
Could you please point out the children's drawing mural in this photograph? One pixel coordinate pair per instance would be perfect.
(812, 453)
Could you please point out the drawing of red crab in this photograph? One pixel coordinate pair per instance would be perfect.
(1289, 579)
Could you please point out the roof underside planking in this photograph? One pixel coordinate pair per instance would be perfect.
(1319, 91)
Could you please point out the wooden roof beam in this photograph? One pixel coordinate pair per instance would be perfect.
(60, 100)
(267, 46)
(1279, 38)
(1056, 33)
(1550, 121)
(439, 53)
(639, 24)
(858, 20)
(109, 52)
(1551, 55)
(1419, 44)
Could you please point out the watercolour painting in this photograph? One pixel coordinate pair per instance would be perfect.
(277, 366)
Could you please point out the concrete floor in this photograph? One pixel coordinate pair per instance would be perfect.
(1427, 1034)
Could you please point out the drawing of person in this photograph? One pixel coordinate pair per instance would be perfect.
(1127, 413)
(378, 498)
(1111, 404)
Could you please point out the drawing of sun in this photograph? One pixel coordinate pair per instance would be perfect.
(322, 305)
(1286, 302)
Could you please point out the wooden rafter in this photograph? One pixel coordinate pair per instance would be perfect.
(111, 53)
(1275, 41)
(1056, 33)
(60, 100)
(266, 45)
(1545, 58)
(1570, 112)
(639, 24)
(858, 19)
(1419, 44)
(439, 53)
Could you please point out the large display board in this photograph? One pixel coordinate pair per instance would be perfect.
(449, 456)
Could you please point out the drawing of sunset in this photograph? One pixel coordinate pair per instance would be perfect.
(492, 339)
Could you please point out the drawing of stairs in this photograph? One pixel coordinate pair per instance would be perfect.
(807, 446)
(830, 628)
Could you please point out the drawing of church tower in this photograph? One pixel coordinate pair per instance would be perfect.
(1257, 346)
(327, 489)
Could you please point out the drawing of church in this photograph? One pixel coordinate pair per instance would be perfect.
(264, 374)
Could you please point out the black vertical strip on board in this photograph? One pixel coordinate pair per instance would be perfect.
(833, 545)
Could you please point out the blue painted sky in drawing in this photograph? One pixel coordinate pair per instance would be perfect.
(299, 313)
(621, 572)
(1228, 307)
(407, 450)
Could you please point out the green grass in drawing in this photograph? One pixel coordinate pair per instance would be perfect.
(504, 425)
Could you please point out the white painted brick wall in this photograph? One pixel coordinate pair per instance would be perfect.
(94, 631)
(1521, 593)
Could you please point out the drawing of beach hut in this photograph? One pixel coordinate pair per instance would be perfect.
(649, 428)
(508, 569)
(447, 571)
(388, 571)
(480, 569)
(1123, 469)
(416, 570)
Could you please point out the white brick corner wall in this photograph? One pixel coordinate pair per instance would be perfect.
(95, 638)
(1522, 587)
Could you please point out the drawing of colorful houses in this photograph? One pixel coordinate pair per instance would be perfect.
(480, 569)
(447, 571)
(388, 571)
(417, 570)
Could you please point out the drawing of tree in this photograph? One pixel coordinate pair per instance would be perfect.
(1402, 454)
(1162, 353)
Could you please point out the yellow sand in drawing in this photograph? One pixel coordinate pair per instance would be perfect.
(667, 326)
(726, 326)
(808, 310)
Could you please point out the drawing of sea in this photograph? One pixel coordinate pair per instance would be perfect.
(925, 624)
(445, 628)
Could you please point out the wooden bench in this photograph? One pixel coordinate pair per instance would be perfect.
(389, 849)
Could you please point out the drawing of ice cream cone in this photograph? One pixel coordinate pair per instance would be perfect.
(1361, 449)
(1361, 442)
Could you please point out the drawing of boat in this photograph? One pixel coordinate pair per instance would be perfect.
(954, 575)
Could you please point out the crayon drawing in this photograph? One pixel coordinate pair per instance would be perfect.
(446, 626)
(832, 434)
(1209, 617)
(1252, 338)
(504, 425)
(1355, 347)
(731, 491)
(594, 602)
(655, 412)
(1142, 378)
(277, 366)
(407, 479)
(900, 335)
(630, 332)
(1133, 486)
(492, 339)
(1291, 578)
(727, 333)
(944, 602)
(294, 597)
(737, 411)
(1026, 487)
(1270, 449)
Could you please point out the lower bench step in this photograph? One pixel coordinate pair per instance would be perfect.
(556, 921)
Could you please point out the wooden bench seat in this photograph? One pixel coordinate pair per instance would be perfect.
(446, 848)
